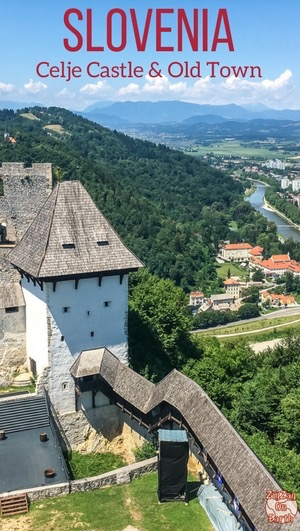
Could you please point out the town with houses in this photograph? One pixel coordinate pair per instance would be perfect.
(286, 174)
(235, 289)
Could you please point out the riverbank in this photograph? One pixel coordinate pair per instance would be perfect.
(269, 207)
(285, 227)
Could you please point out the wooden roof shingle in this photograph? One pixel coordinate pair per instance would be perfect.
(69, 237)
(241, 468)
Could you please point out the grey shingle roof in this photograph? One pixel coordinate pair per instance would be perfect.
(240, 467)
(70, 236)
(88, 362)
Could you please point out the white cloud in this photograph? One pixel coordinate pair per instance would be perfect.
(65, 93)
(156, 85)
(95, 89)
(277, 93)
(132, 88)
(6, 88)
(178, 87)
(34, 87)
(212, 90)
(281, 82)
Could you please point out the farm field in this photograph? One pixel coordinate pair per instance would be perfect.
(232, 148)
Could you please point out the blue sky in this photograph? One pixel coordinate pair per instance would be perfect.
(265, 34)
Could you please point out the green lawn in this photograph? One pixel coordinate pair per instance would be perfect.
(235, 270)
(94, 464)
(13, 389)
(115, 508)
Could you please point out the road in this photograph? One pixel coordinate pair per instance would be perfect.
(219, 336)
(285, 312)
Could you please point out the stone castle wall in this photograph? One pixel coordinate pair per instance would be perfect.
(25, 190)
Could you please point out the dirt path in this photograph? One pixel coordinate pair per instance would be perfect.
(261, 346)
(21, 523)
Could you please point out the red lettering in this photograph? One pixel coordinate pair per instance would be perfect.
(73, 30)
(89, 66)
(222, 17)
(162, 29)
(192, 35)
(205, 30)
(123, 31)
(38, 67)
(141, 42)
(89, 33)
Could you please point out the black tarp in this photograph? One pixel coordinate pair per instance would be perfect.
(172, 465)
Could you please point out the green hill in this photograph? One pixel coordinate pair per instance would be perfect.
(156, 198)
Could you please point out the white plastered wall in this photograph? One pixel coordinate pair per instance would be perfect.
(36, 324)
(64, 320)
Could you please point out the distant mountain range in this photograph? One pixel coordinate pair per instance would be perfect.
(193, 121)
(171, 112)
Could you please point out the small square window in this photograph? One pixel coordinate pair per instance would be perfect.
(107, 303)
(92, 334)
(62, 338)
(88, 312)
(12, 309)
(66, 309)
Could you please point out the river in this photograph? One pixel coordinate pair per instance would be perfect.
(284, 228)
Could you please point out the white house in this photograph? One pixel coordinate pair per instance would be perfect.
(296, 185)
(196, 298)
(236, 251)
(74, 270)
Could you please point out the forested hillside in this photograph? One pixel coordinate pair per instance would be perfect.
(172, 210)
(259, 394)
(155, 198)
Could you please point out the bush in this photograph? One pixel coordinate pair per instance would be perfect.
(145, 451)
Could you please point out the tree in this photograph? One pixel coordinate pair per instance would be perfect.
(221, 370)
(248, 310)
(289, 421)
(159, 325)
(258, 275)
(289, 282)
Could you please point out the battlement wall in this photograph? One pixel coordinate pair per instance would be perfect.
(25, 190)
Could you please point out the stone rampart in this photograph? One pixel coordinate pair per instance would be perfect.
(120, 476)
(25, 190)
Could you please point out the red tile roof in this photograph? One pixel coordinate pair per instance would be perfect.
(290, 265)
(230, 282)
(256, 251)
(280, 258)
(269, 264)
(237, 246)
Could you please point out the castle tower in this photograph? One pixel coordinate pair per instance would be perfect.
(74, 270)
(24, 192)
